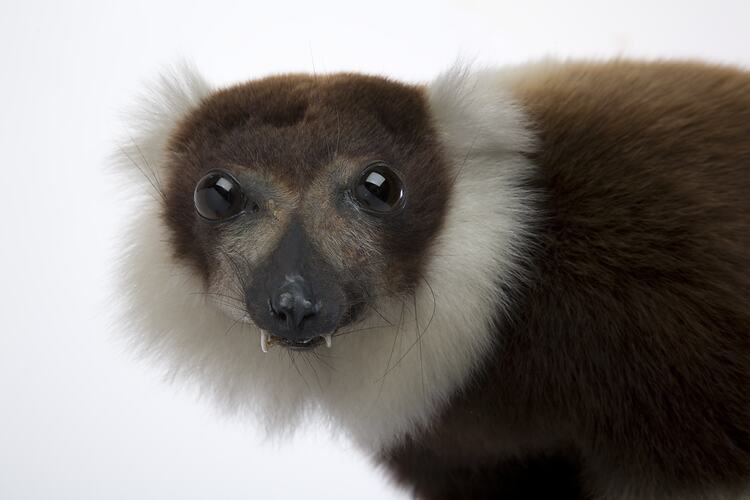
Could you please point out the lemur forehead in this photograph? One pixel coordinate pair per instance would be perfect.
(293, 126)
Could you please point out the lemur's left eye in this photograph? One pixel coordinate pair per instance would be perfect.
(218, 196)
(379, 189)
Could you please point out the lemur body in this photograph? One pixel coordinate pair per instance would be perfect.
(534, 281)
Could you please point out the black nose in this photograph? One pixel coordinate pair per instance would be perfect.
(293, 303)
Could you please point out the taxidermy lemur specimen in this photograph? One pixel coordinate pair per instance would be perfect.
(531, 282)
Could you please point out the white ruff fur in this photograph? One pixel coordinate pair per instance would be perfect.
(478, 249)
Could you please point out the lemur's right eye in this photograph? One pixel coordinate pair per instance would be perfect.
(218, 196)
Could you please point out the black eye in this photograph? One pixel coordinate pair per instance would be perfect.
(379, 189)
(218, 196)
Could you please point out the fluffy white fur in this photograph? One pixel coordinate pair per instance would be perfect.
(378, 383)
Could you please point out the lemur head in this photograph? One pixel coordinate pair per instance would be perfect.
(301, 200)
(338, 241)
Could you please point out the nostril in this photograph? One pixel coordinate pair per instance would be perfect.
(308, 315)
(276, 311)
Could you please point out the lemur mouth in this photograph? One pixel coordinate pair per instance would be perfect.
(267, 340)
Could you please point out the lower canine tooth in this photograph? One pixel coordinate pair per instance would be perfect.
(264, 341)
(329, 340)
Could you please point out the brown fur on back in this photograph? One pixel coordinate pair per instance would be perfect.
(625, 366)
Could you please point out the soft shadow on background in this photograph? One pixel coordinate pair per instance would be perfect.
(79, 417)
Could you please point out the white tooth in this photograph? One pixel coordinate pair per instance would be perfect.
(329, 340)
(264, 341)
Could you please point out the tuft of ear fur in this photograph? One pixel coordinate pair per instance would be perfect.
(179, 89)
(477, 113)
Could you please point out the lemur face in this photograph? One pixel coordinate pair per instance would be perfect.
(300, 201)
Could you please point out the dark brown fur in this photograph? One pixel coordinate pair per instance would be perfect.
(624, 367)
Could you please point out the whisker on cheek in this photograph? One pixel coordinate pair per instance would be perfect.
(152, 179)
(232, 326)
(390, 356)
(378, 327)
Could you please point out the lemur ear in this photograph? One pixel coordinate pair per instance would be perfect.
(475, 114)
(164, 103)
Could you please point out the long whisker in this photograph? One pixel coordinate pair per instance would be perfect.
(291, 358)
(232, 326)
(315, 372)
(390, 356)
(239, 274)
(153, 170)
(349, 332)
(321, 360)
(434, 302)
(220, 295)
(228, 302)
(465, 160)
(419, 336)
(148, 178)
(419, 341)
(378, 312)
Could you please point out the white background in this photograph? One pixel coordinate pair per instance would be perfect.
(79, 417)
